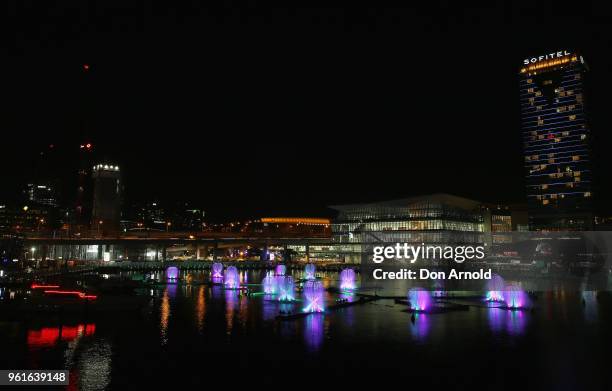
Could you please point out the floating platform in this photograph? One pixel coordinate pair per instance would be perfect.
(298, 315)
(438, 308)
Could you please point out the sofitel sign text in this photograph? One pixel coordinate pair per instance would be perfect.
(549, 56)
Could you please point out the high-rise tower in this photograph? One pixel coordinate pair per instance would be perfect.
(107, 192)
(556, 142)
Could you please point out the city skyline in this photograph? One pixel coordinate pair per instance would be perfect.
(197, 190)
(245, 138)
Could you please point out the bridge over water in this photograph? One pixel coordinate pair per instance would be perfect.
(162, 246)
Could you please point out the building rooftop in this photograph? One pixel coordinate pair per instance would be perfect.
(441, 198)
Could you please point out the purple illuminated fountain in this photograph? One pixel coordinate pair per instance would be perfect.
(314, 296)
(420, 300)
(310, 271)
(217, 270)
(286, 288)
(172, 273)
(231, 278)
(280, 270)
(347, 280)
(516, 298)
(270, 284)
(495, 289)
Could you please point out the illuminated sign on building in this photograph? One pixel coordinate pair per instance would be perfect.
(548, 56)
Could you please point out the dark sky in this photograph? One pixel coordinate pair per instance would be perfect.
(261, 110)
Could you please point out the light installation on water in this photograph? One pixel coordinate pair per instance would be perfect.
(347, 280)
(217, 270)
(286, 288)
(269, 284)
(172, 273)
(280, 270)
(420, 299)
(231, 278)
(515, 297)
(310, 271)
(495, 288)
(314, 296)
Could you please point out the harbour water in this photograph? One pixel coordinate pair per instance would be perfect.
(191, 334)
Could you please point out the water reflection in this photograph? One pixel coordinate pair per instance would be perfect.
(314, 332)
(420, 326)
(50, 336)
(512, 322)
(164, 317)
(215, 321)
(172, 289)
(231, 303)
(200, 309)
(589, 302)
(269, 309)
(94, 366)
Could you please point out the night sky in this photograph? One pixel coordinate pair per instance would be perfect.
(258, 110)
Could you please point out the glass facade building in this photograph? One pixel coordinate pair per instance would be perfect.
(556, 142)
(437, 219)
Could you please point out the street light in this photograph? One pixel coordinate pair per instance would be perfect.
(99, 224)
(168, 224)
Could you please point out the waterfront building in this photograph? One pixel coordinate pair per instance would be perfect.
(556, 141)
(432, 219)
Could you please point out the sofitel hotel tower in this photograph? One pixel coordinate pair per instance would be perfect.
(556, 142)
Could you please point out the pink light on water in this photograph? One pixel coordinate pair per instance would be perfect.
(516, 298)
(420, 299)
(270, 284)
(280, 270)
(310, 271)
(347, 279)
(231, 278)
(314, 296)
(217, 270)
(172, 273)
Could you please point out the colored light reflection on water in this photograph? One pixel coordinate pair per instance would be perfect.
(172, 290)
(314, 332)
(231, 305)
(164, 316)
(511, 322)
(589, 302)
(200, 308)
(50, 336)
(310, 271)
(420, 326)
